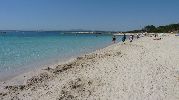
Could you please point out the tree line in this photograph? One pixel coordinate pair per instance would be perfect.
(160, 29)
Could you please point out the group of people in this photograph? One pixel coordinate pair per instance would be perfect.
(131, 37)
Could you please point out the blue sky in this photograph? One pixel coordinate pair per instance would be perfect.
(117, 15)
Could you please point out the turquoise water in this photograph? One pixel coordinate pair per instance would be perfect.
(23, 50)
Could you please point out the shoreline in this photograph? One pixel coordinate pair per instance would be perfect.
(143, 69)
(42, 65)
(22, 76)
(27, 56)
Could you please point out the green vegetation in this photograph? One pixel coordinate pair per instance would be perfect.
(160, 29)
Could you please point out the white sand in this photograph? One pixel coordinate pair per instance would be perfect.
(145, 69)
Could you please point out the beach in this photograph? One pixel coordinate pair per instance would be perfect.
(25, 51)
(144, 69)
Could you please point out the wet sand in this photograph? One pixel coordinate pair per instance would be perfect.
(145, 69)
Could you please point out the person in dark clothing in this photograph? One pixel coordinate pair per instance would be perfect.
(124, 38)
(130, 38)
(114, 39)
(155, 35)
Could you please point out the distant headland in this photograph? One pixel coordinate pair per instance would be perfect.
(171, 28)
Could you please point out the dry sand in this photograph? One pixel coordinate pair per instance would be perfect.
(145, 69)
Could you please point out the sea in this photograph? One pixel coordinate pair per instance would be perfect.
(24, 51)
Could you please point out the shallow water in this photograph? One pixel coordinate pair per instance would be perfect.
(25, 50)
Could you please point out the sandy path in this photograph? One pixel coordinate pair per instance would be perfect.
(145, 69)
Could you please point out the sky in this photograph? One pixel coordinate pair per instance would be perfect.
(107, 15)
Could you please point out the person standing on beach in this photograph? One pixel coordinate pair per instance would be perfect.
(124, 38)
(114, 39)
(155, 35)
(137, 36)
(131, 38)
